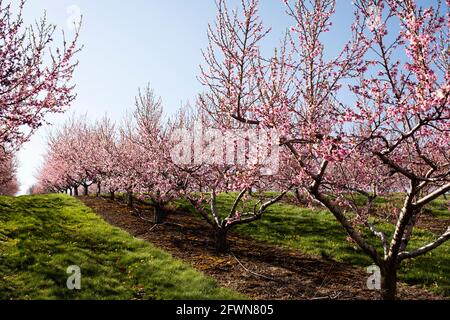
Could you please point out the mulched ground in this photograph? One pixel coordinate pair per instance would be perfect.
(256, 269)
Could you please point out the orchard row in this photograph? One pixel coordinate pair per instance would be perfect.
(371, 119)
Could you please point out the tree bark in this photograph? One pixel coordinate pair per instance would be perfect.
(99, 189)
(85, 190)
(220, 239)
(300, 198)
(388, 283)
(113, 195)
(130, 199)
(70, 192)
(75, 191)
(159, 216)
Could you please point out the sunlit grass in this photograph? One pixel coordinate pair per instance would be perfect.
(40, 236)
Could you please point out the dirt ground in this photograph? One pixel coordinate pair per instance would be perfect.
(256, 269)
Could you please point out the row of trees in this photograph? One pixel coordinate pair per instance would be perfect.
(34, 81)
(139, 159)
(130, 158)
(372, 120)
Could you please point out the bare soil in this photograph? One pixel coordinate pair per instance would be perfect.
(256, 269)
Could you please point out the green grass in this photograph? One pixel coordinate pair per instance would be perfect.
(318, 233)
(438, 208)
(40, 236)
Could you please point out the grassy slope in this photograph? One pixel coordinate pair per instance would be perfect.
(317, 232)
(41, 236)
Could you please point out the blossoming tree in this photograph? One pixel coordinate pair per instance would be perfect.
(32, 82)
(398, 126)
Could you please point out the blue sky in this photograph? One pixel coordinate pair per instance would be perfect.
(129, 44)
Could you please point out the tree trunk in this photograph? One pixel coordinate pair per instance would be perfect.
(113, 195)
(298, 196)
(99, 189)
(220, 238)
(130, 199)
(85, 190)
(75, 191)
(159, 216)
(388, 283)
(70, 192)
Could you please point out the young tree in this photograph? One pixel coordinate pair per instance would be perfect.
(249, 200)
(106, 168)
(32, 83)
(230, 76)
(402, 117)
(159, 179)
(222, 162)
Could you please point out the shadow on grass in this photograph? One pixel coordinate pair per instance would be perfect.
(40, 236)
